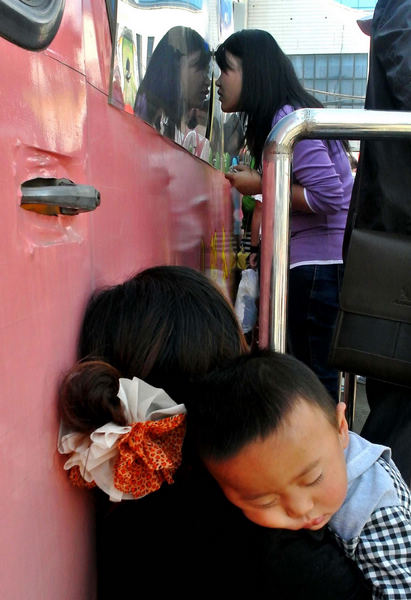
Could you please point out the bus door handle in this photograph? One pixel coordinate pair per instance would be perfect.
(58, 197)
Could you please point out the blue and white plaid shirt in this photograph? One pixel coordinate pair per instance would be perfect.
(382, 549)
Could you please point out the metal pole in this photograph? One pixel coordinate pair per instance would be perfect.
(321, 123)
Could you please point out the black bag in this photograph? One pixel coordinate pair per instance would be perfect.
(373, 331)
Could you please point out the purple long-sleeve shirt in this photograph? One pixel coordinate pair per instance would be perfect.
(325, 174)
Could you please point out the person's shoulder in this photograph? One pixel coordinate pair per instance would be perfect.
(398, 484)
(370, 486)
(390, 15)
(283, 112)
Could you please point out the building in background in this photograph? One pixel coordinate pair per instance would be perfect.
(361, 4)
(324, 42)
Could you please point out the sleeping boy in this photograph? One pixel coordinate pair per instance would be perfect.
(280, 449)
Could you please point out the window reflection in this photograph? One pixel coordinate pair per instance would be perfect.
(174, 93)
(162, 71)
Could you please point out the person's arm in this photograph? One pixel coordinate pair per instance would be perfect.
(255, 233)
(383, 552)
(322, 188)
(248, 182)
(298, 199)
(317, 187)
(306, 565)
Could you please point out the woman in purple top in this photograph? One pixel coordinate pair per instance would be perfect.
(258, 80)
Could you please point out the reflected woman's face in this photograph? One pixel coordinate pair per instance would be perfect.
(195, 80)
(230, 84)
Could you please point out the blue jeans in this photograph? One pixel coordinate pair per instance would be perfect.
(312, 311)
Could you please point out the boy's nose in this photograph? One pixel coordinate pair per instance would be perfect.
(298, 506)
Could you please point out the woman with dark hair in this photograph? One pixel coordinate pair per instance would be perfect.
(165, 327)
(176, 81)
(258, 80)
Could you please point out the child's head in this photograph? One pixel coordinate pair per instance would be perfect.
(257, 78)
(272, 437)
(164, 325)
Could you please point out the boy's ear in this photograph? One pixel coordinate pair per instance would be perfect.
(342, 424)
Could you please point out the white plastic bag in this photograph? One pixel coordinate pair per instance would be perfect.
(245, 306)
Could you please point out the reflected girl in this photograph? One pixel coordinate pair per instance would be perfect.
(176, 82)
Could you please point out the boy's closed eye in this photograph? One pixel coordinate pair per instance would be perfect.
(268, 504)
(316, 480)
(273, 502)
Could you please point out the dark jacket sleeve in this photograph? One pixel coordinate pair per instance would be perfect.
(308, 565)
(391, 35)
(381, 198)
(189, 540)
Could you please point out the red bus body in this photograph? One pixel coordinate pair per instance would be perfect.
(159, 205)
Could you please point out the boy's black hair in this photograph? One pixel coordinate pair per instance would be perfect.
(248, 398)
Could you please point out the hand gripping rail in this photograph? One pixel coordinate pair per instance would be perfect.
(319, 123)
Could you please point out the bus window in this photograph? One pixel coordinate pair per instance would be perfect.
(163, 70)
(31, 24)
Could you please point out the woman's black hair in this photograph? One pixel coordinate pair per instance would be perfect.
(165, 325)
(160, 89)
(269, 83)
(249, 398)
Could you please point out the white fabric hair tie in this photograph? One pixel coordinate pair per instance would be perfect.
(133, 457)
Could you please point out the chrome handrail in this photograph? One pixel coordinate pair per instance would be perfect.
(318, 123)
